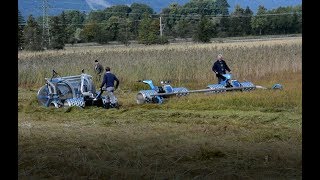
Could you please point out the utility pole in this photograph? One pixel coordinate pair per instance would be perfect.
(161, 27)
(45, 24)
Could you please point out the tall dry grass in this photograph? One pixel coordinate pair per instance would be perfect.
(184, 64)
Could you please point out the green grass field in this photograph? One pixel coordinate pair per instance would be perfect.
(233, 135)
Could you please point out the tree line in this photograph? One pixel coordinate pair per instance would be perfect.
(200, 20)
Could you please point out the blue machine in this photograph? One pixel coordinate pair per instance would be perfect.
(156, 94)
(277, 86)
(164, 91)
(228, 83)
(70, 91)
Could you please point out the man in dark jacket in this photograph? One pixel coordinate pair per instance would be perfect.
(220, 67)
(108, 82)
(98, 68)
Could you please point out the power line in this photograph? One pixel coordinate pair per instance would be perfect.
(70, 9)
(196, 9)
(66, 2)
(188, 15)
(39, 1)
(228, 16)
(191, 15)
(164, 15)
(76, 24)
(197, 17)
(179, 8)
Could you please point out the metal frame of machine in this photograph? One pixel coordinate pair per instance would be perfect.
(156, 94)
(69, 91)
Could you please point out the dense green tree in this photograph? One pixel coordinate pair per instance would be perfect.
(223, 26)
(96, 16)
(72, 21)
(221, 7)
(112, 26)
(21, 24)
(32, 35)
(205, 30)
(121, 11)
(199, 7)
(63, 25)
(248, 14)
(284, 20)
(57, 33)
(77, 36)
(236, 22)
(170, 17)
(199, 19)
(240, 21)
(259, 22)
(102, 34)
(182, 29)
(90, 32)
(45, 31)
(298, 17)
(113, 29)
(191, 13)
(148, 30)
(137, 11)
(124, 34)
(296, 23)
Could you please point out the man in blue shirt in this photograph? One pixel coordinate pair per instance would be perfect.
(108, 82)
(220, 67)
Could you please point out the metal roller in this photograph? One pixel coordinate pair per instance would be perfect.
(182, 91)
(74, 102)
(247, 86)
(145, 96)
(216, 88)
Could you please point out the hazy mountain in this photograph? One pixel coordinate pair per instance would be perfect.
(34, 7)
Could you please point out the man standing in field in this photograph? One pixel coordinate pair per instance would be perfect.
(220, 67)
(98, 68)
(108, 80)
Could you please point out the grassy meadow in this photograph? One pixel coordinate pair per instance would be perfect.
(234, 135)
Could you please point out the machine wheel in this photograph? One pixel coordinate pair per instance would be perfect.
(43, 95)
(115, 105)
(145, 96)
(140, 98)
(64, 91)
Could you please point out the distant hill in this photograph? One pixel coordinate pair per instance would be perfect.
(34, 7)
